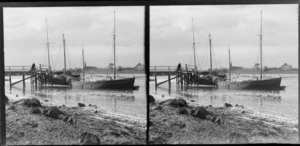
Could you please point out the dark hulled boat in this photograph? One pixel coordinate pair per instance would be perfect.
(263, 84)
(119, 84)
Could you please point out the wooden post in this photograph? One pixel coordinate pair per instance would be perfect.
(155, 78)
(10, 80)
(23, 80)
(169, 77)
(181, 79)
(35, 79)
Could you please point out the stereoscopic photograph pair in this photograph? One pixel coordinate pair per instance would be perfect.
(149, 72)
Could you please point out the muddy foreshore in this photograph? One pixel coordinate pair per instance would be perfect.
(176, 121)
(39, 125)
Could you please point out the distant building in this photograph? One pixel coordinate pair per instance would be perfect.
(139, 66)
(236, 67)
(286, 66)
(90, 68)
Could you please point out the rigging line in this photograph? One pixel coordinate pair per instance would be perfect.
(56, 60)
(68, 56)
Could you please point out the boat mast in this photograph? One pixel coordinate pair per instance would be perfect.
(194, 47)
(64, 43)
(260, 44)
(210, 54)
(48, 47)
(229, 64)
(114, 37)
(83, 63)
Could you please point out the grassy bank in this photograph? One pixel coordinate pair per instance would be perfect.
(179, 125)
(23, 126)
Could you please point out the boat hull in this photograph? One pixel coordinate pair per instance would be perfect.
(273, 83)
(119, 84)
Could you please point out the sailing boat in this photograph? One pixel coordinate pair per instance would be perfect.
(120, 84)
(271, 83)
(205, 77)
(73, 76)
(55, 80)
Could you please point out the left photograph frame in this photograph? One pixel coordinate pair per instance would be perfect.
(77, 82)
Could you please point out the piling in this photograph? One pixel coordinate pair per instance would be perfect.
(169, 78)
(23, 80)
(155, 79)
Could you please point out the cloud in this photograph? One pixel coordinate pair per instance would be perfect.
(234, 25)
(25, 35)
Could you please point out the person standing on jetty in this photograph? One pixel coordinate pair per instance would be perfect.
(32, 68)
(178, 67)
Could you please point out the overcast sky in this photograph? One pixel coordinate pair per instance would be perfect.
(235, 25)
(25, 35)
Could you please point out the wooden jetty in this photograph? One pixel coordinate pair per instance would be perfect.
(41, 77)
(184, 77)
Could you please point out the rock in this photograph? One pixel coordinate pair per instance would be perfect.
(46, 100)
(6, 99)
(216, 119)
(241, 106)
(192, 100)
(183, 111)
(89, 139)
(178, 102)
(150, 123)
(33, 102)
(52, 112)
(96, 112)
(237, 138)
(228, 105)
(159, 107)
(12, 107)
(81, 105)
(163, 96)
(69, 120)
(17, 95)
(151, 99)
(200, 112)
(36, 110)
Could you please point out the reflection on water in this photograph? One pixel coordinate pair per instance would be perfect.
(132, 103)
(282, 103)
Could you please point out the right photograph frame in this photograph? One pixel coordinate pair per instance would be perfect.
(222, 74)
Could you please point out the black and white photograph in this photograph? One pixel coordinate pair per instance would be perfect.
(75, 75)
(223, 74)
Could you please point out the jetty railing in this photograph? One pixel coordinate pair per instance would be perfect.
(184, 76)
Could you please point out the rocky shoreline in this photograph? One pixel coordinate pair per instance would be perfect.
(30, 121)
(177, 121)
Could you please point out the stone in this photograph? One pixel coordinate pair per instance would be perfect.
(200, 112)
(36, 110)
(81, 105)
(89, 139)
(150, 123)
(192, 100)
(46, 100)
(178, 102)
(228, 105)
(32, 102)
(12, 107)
(52, 112)
(237, 138)
(159, 107)
(151, 99)
(216, 119)
(183, 111)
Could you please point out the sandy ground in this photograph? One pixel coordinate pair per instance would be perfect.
(167, 126)
(24, 127)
